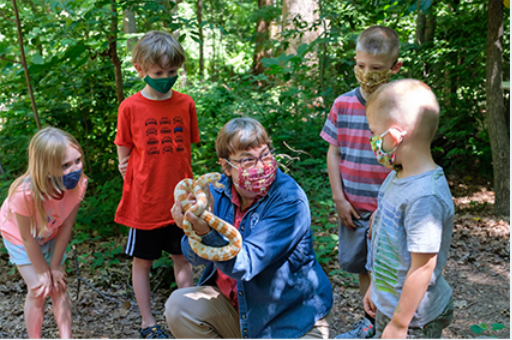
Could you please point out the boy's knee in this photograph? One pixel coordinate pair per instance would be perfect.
(179, 259)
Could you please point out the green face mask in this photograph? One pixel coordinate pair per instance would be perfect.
(162, 85)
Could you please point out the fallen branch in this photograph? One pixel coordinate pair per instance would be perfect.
(79, 278)
(77, 272)
(297, 151)
(105, 295)
(288, 156)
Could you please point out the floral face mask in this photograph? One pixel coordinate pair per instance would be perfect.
(257, 180)
(386, 158)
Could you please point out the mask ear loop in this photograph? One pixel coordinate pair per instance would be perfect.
(402, 134)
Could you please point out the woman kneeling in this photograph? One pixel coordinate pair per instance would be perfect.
(274, 287)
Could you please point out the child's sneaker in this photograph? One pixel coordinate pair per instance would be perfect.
(362, 330)
(153, 332)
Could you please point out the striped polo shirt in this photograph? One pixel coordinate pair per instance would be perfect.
(347, 128)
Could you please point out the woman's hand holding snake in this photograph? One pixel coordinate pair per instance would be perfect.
(197, 220)
(198, 225)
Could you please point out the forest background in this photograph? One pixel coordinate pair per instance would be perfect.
(282, 62)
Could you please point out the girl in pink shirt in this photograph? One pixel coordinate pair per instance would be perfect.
(36, 221)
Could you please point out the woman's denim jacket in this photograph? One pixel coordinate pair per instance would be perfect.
(282, 290)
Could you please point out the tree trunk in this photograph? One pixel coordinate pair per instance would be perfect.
(262, 38)
(324, 51)
(25, 66)
(496, 123)
(172, 11)
(421, 23)
(213, 74)
(2, 171)
(129, 26)
(308, 11)
(425, 26)
(112, 52)
(430, 27)
(201, 36)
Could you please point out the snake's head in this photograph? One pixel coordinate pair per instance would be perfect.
(218, 185)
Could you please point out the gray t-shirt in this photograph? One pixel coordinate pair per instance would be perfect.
(415, 215)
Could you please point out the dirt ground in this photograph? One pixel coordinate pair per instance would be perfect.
(478, 270)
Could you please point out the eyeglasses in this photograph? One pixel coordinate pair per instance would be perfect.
(250, 162)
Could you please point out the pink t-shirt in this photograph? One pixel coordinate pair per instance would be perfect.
(56, 212)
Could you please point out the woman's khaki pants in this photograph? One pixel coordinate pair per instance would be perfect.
(204, 312)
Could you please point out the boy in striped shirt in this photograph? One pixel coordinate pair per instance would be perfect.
(354, 173)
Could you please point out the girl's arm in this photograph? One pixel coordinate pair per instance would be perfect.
(36, 257)
(61, 242)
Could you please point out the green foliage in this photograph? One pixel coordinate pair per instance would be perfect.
(483, 328)
(66, 44)
(107, 257)
(348, 279)
(96, 211)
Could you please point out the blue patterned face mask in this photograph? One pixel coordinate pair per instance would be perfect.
(162, 85)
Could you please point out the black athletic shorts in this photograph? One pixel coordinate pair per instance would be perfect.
(148, 244)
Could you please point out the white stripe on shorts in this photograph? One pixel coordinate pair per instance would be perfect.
(131, 242)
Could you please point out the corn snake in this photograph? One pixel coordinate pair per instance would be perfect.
(182, 190)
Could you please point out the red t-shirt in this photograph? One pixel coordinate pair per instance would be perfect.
(227, 285)
(160, 133)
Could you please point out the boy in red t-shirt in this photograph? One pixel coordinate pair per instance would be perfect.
(155, 129)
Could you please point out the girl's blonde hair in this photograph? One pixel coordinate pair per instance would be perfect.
(43, 177)
(240, 134)
(158, 48)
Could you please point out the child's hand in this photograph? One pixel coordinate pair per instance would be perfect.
(345, 211)
(123, 165)
(394, 331)
(60, 280)
(44, 284)
(369, 306)
(370, 224)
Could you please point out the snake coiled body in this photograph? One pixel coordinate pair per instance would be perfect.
(199, 209)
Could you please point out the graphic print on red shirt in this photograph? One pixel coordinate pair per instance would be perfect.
(160, 133)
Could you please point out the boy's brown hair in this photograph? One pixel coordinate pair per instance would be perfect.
(379, 41)
(158, 48)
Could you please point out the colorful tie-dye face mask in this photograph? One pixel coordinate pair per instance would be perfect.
(386, 158)
(371, 80)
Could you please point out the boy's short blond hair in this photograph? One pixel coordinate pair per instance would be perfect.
(158, 48)
(379, 41)
(409, 103)
(240, 134)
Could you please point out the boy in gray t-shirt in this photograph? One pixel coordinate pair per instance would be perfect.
(413, 224)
